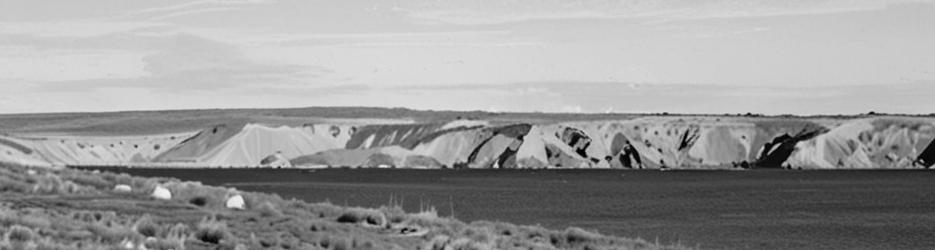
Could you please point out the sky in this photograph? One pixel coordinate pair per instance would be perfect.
(626, 56)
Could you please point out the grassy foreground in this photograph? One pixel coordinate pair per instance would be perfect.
(43, 208)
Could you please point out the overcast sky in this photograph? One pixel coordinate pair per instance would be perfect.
(694, 56)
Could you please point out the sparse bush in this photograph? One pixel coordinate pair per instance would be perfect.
(366, 216)
(211, 231)
(146, 227)
(340, 244)
(19, 233)
(144, 185)
(12, 184)
(479, 234)
(267, 209)
(394, 214)
(179, 231)
(163, 244)
(318, 226)
(48, 244)
(200, 201)
(32, 221)
(187, 191)
(113, 233)
(574, 235)
(76, 234)
(437, 243)
(95, 181)
(468, 244)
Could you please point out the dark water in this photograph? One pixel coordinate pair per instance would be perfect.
(707, 209)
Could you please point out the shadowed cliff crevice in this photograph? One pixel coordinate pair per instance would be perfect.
(516, 132)
(927, 157)
(777, 151)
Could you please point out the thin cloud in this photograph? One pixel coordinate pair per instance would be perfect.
(185, 62)
(483, 12)
(196, 7)
(193, 12)
(484, 38)
(595, 97)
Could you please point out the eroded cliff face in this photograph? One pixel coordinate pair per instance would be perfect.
(62, 150)
(691, 142)
(867, 143)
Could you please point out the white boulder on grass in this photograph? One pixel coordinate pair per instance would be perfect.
(123, 188)
(236, 202)
(127, 244)
(162, 193)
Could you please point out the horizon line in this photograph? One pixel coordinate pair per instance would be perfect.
(742, 114)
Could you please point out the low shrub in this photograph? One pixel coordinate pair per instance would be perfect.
(267, 209)
(146, 227)
(365, 216)
(574, 235)
(178, 231)
(318, 226)
(33, 221)
(8, 184)
(337, 243)
(196, 192)
(211, 231)
(95, 181)
(165, 244)
(111, 234)
(200, 201)
(19, 233)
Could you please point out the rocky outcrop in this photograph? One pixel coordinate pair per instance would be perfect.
(866, 143)
(62, 150)
(246, 145)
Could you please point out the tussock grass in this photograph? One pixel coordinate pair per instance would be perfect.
(369, 217)
(19, 233)
(146, 227)
(267, 209)
(211, 231)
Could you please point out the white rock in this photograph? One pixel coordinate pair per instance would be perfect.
(162, 193)
(127, 244)
(31, 172)
(123, 188)
(236, 202)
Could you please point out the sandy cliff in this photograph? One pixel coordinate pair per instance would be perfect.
(684, 142)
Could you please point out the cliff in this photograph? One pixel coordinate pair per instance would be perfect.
(680, 142)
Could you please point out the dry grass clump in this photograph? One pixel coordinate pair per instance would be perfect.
(212, 231)
(267, 209)
(197, 194)
(19, 233)
(369, 217)
(146, 227)
(95, 181)
(8, 184)
(200, 201)
(53, 184)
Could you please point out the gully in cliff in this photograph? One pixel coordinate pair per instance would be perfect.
(927, 157)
